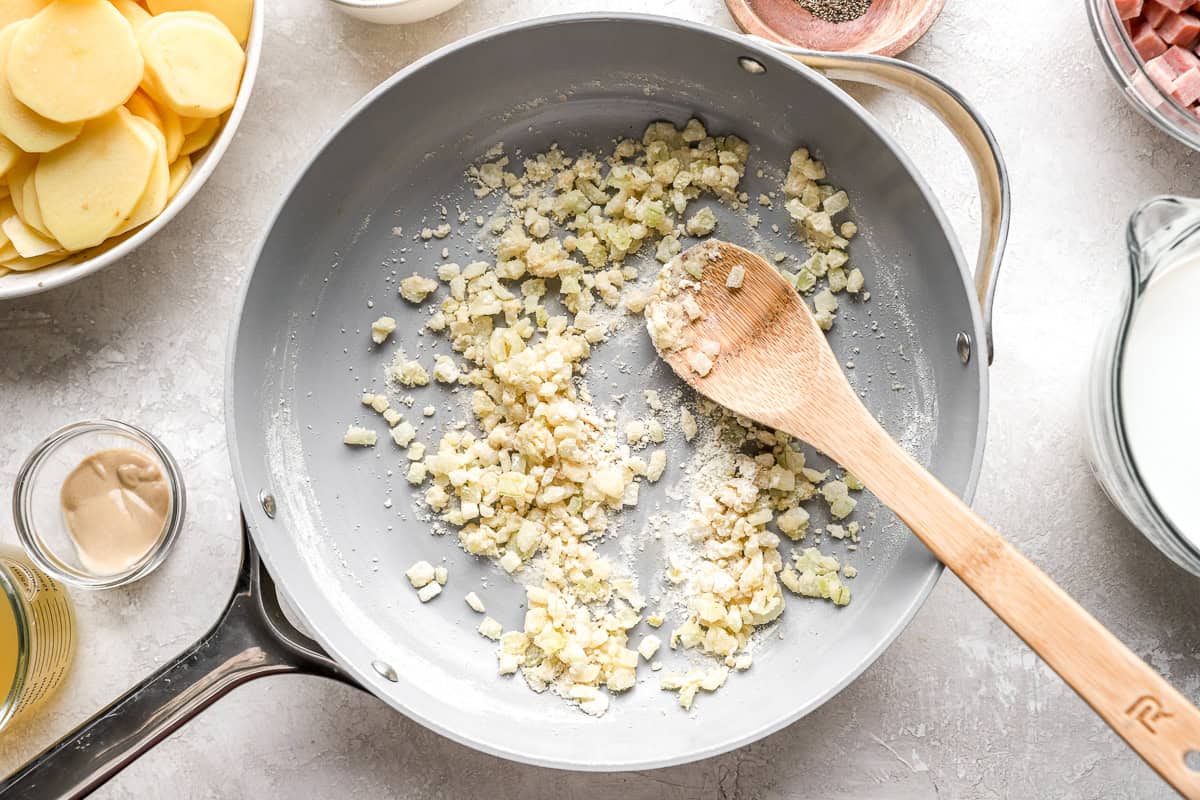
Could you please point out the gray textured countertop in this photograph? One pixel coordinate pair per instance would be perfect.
(958, 707)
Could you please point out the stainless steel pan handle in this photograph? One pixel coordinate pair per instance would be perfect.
(252, 639)
(967, 126)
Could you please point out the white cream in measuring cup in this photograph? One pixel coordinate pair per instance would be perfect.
(1160, 392)
(1143, 426)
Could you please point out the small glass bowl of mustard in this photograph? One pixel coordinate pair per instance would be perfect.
(99, 503)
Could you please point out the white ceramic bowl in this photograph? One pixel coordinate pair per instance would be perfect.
(20, 284)
(394, 12)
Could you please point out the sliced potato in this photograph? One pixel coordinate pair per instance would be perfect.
(234, 14)
(90, 186)
(172, 130)
(19, 264)
(189, 124)
(6, 210)
(28, 242)
(193, 63)
(199, 138)
(27, 129)
(75, 60)
(154, 197)
(8, 253)
(133, 13)
(162, 117)
(140, 105)
(17, 175)
(180, 169)
(13, 10)
(32, 208)
(151, 88)
(9, 153)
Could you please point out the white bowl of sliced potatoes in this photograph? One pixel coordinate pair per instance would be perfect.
(113, 113)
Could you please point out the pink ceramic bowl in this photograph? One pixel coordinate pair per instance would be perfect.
(888, 27)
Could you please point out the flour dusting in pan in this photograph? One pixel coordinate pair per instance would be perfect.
(542, 477)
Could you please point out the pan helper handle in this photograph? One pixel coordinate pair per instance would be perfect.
(967, 126)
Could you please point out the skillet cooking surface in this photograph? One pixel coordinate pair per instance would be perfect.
(302, 355)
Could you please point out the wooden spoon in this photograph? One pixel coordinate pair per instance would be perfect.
(775, 367)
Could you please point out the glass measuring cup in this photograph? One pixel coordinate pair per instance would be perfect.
(1162, 233)
(37, 635)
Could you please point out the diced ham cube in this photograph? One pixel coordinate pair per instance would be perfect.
(1128, 9)
(1148, 91)
(1154, 12)
(1180, 29)
(1186, 89)
(1177, 5)
(1147, 42)
(1161, 73)
(1181, 60)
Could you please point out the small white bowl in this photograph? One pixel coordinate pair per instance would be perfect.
(20, 284)
(394, 12)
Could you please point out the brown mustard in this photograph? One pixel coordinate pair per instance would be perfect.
(115, 503)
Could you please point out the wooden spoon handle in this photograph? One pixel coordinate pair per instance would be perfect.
(1146, 711)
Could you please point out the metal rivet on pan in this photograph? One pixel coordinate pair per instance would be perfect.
(751, 65)
(386, 671)
(267, 501)
(963, 343)
(1191, 760)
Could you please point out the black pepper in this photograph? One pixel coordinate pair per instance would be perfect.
(835, 10)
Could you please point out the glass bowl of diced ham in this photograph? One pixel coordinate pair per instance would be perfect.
(1151, 48)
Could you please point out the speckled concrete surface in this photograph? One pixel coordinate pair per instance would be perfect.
(956, 708)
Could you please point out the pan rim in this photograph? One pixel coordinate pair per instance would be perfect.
(255, 516)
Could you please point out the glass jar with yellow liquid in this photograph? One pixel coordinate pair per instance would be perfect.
(37, 635)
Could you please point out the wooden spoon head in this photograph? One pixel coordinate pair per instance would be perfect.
(772, 363)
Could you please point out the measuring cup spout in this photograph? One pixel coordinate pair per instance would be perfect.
(1162, 229)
